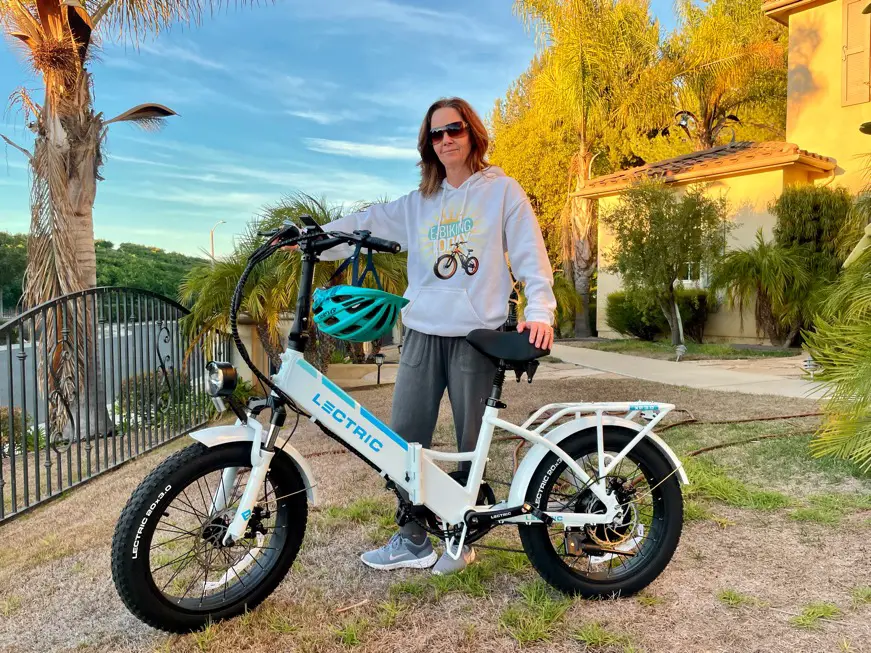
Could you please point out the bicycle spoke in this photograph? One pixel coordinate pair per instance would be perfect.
(177, 529)
(179, 570)
(170, 541)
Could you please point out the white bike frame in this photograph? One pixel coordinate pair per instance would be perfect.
(415, 469)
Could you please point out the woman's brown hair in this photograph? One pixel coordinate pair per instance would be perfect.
(432, 172)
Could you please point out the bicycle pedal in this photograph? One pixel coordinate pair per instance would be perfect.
(535, 512)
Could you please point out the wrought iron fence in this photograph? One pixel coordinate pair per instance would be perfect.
(90, 380)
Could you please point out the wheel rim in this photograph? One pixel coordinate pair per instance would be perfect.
(446, 266)
(472, 266)
(187, 563)
(638, 530)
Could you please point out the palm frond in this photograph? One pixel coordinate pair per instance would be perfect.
(147, 116)
(134, 19)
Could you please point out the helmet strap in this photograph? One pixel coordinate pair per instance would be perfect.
(353, 262)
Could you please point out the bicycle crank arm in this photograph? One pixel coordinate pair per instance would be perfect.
(484, 519)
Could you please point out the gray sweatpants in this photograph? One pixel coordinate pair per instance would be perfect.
(429, 365)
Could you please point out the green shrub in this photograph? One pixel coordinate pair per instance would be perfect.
(17, 430)
(151, 391)
(622, 316)
(625, 318)
(694, 308)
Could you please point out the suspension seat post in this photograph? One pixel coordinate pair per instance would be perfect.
(495, 399)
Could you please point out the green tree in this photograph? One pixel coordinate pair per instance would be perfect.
(775, 278)
(13, 261)
(596, 60)
(657, 232)
(816, 219)
(272, 288)
(536, 152)
(725, 66)
(141, 266)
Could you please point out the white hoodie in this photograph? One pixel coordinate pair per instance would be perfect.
(488, 216)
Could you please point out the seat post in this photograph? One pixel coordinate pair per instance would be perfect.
(494, 400)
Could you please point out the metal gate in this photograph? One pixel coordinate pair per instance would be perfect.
(91, 380)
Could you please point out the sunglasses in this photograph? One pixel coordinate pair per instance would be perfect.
(452, 129)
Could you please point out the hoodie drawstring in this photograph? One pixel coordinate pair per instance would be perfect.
(468, 185)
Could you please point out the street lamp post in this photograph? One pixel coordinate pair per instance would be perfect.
(212, 238)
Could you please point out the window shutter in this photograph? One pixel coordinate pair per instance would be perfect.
(856, 54)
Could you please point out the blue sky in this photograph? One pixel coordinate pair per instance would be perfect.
(324, 97)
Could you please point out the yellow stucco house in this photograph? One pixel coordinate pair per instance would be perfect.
(829, 96)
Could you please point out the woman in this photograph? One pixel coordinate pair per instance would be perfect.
(457, 228)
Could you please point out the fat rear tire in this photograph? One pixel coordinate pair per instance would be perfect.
(667, 506)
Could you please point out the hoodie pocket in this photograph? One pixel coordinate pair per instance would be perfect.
(442, 311)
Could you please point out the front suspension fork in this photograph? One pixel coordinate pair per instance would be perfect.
(261, 458)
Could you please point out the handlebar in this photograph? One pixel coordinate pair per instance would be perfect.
(381, 245)
(289, 234)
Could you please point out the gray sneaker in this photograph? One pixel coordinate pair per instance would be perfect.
(447, 565)
(401, 553)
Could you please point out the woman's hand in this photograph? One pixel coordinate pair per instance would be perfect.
(286, 248)
(540, 334)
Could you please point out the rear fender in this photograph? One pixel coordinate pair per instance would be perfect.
(526, 470)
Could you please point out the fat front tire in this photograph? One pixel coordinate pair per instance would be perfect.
(445, 266)
(647, 534)
(168, 564)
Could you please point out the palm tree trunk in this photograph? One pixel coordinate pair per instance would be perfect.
(272, 349)
(60, 249)
(580, 242)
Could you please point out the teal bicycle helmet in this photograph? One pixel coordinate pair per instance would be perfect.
(355, 314)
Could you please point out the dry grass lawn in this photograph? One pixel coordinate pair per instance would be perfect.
(774, 557)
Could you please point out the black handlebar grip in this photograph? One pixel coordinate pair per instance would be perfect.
(381, 245)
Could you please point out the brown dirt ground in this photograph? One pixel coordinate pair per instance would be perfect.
(56, 591)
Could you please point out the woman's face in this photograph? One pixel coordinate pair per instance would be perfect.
(455, 145)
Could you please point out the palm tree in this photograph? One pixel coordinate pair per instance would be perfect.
(597, 59)
(726, 58)
(57, 37)
(775, 277)
(841, 344)
(273, 286)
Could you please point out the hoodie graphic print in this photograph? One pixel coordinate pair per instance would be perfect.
(459, 243)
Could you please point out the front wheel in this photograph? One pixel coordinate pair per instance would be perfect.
(641, 540)
(445, 266)
(169, 563)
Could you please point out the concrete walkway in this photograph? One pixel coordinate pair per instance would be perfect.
(682, 374)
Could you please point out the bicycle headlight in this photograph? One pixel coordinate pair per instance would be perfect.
(222, 379)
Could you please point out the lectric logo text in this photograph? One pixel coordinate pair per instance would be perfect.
(339, 415)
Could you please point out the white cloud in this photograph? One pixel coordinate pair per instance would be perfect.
(362, 150)
(180, 147)
(339, 186)
(447, 25)
(118, 62)
(322, 117)
(177, 195)
(138, 161)
(186, 53)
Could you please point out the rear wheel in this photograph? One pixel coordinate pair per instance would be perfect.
(169, 563)
(643, 537)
